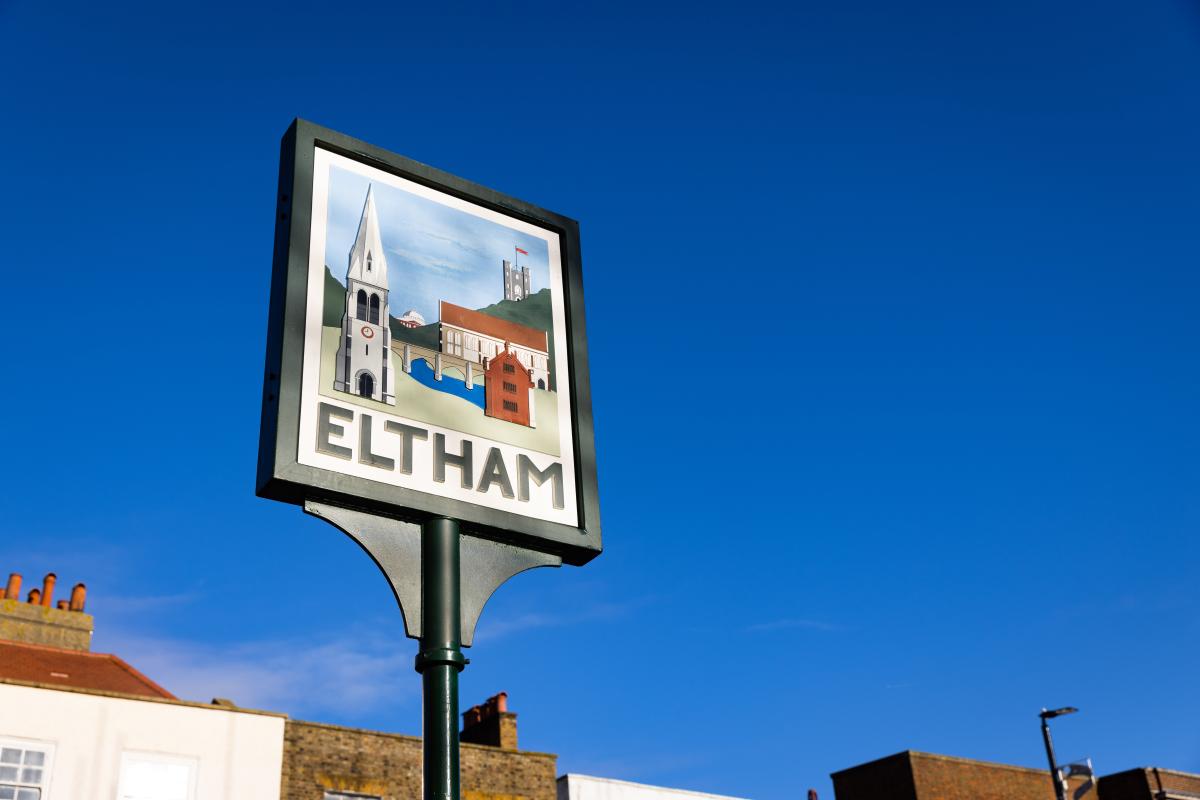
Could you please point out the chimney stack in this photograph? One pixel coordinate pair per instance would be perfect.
(491, 724)
(40, 620)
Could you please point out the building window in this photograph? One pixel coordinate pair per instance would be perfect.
(374, 309)
(150, 776)
(24, 770)
(362, 305)
(510, 369)
(368, 262)
(510, 387)
(541, 384)
(509, 405)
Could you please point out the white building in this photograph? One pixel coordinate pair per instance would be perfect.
(478, 338)
(69, 744)
(586, 787)
(364, 356)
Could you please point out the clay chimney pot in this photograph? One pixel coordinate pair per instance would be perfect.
(62, 605)
(35, 597)
(78, 595)
(48, 588)
(14, 586)
(501, 702)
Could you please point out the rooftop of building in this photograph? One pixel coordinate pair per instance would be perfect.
(58, 666)
(917, 754)
(495, 327)
(577, 777)
(217, 704)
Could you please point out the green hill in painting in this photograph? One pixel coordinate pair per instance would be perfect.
(335, 301)
(533, 312)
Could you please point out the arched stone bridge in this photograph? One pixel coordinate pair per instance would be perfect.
(437, 361)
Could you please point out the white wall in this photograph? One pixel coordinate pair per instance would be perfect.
(586, 787)
(239, 754)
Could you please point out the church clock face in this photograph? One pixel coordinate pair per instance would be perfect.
(368, 333)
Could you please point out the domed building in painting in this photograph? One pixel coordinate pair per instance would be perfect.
(412, 319)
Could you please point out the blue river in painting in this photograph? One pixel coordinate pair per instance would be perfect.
(448, 384)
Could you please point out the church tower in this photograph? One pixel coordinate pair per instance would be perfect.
(364, 356)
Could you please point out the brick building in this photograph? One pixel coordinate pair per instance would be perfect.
(507, 394)
(912, 775)
(1150, 783)
(331, 762)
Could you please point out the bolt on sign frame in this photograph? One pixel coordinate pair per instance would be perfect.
(292, 411)
(450, 491)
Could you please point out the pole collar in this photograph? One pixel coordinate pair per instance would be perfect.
(441, 656)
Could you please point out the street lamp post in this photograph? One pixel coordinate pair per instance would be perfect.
(1060, 789)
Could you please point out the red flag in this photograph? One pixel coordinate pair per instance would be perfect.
(522, 252)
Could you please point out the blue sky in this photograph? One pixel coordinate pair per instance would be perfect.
(938, 260)
(434, 252)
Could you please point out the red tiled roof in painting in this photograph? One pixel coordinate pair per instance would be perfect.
(493, 326)
(52, 665)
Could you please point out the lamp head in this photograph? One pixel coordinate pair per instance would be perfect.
(1058, 712)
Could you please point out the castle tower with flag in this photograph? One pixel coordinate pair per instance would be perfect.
(516, 279)
(364, 356)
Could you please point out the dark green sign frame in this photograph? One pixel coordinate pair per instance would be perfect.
(282, 477)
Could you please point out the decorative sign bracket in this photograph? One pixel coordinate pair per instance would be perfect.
(395, 547)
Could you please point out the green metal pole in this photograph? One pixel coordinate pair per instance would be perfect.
(440, 658)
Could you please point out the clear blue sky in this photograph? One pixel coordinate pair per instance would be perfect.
(938, 262)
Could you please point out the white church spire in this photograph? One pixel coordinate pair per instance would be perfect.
(364, 356)
(367, 262)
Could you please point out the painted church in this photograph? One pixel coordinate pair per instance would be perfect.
(364, 356)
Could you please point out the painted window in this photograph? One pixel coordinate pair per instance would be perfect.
(362, 305)
(366, 385)
(374, 309)
(151, 776)
(510, 387)
(541, 384)
(368, 262)
(510, 369)
(509, 405)
(24, 770)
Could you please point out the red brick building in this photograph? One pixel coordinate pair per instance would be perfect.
(506, 386)
(1150, 783)
(925, 776)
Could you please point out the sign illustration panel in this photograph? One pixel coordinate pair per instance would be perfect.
(435, 359)
(429, 345)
